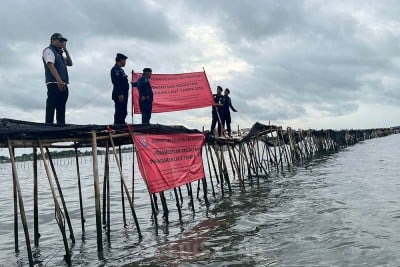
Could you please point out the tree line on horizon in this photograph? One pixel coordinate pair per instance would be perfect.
(59, 154)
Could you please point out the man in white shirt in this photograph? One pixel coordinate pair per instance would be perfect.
(56, 73)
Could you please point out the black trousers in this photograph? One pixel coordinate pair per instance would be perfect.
(56, 102)
(226, 122)
(214, 122)
(121, 110)
(146, 109)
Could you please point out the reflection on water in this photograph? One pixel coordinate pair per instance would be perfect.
(340, 209)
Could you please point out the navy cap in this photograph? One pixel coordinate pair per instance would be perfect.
(147, 70)
(120, 56)
(58, 36)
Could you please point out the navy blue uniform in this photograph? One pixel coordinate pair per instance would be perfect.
(120, 87)
(215, 112)
(145, 98)
(226, 114)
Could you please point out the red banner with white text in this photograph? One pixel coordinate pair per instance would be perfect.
(169, 160)
(173, 92)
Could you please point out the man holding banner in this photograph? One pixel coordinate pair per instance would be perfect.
(145, 95)
(216, 111)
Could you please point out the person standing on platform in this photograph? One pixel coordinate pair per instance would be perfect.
(56, 73)
(216, 111)
(120, 89)
(226, 114)
(145, 95)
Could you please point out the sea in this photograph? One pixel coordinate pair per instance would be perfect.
(337, 209)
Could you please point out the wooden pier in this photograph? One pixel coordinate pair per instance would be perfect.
(255, 153)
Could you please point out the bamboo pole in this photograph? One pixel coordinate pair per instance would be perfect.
(165, 207)
(125, 186)
(225, 171)
(221, 174)
(71, 232)
(36, 234)
(213, 164)
(79, 190)
(15, 198)
(59, 216)
(177, 205)
(133, 159)
(108, 227)
(209, 171)
(190, 193)
(21, 203)
(97, 192)
(154, 207)
(105, 187)
(235, 165)
(106, 193)
(122, 187)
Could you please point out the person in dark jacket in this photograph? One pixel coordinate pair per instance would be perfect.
(56, 73)
(226, 114)
(120, 89)
(216, 111)
(145, 95)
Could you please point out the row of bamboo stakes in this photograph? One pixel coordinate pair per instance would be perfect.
(267, 152)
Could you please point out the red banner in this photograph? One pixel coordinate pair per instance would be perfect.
(169, 160)
(174, 92)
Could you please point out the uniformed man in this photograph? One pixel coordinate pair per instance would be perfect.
(120, 89)
(145, 95)
(216, 111)
(226, 114)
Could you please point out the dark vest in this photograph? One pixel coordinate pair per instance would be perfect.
(60, 64)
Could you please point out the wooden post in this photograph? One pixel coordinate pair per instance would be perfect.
(209, 171)
(97, 192)
(177, 205)
(125, 187)
(36, 234)
(58, 213)
(80, 190)
(190, 193)
(133, 171)
(15, 198)
(213, 164)
(21, 203)
(165, 207)
(106, 193)
(122, 188)
(71, 232)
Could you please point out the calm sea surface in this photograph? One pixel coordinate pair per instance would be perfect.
(340, 209)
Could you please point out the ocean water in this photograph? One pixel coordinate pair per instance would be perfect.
(339, 209)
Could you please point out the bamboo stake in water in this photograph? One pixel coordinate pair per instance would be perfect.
(97, 192)
(71, 232)
(20, 202)
(125, 186)
(36, 234)
(122, 188)
(59, 216)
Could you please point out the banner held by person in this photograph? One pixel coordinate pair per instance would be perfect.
(169, 160)
(173, 92)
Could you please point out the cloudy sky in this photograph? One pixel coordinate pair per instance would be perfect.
(304, 64)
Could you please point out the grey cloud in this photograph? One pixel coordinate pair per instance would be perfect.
(330, 56)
